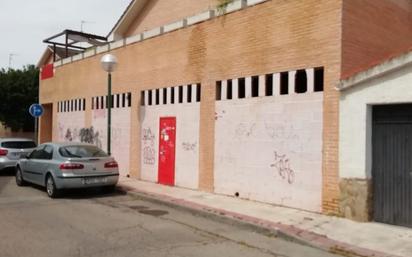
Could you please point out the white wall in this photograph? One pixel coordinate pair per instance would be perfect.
(355, 155)
(254, 136)
(187, 141)
(69, 125)
(120, 131)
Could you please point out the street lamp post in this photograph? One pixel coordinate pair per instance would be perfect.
(109, 63)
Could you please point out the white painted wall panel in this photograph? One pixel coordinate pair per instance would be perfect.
(187, 142)
(120, 145)
(69, 125)
(269, 149)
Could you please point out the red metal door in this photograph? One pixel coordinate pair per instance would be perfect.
(167, 139)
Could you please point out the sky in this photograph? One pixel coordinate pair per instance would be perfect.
(24, 24)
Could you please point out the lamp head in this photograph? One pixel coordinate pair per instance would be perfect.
(109, 62)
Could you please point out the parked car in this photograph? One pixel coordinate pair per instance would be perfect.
(59, 166)
(12, 149)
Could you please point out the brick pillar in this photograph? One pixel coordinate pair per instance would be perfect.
(45, 125)
(330, 192)
(55, 124)
(88, 113)
(134, 169)
(207, 136)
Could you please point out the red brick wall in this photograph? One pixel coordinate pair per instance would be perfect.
(157, 13)
(374, 30)
(275, 36)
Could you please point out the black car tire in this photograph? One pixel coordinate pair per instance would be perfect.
(19, 178)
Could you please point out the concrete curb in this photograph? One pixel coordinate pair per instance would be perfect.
(288, 232)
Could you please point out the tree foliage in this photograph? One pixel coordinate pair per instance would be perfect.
(18, 90)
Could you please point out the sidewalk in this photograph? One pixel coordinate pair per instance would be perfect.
(332, 234)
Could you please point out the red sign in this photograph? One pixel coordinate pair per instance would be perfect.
(47, 71)
(167, 146)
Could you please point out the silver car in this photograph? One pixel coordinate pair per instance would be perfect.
(12, 149)
(59, 166)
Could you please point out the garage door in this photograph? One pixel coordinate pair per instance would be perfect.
(392, 164)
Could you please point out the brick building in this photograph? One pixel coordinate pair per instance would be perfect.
(240, 102)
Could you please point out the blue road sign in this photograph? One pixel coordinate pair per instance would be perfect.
(36, 110)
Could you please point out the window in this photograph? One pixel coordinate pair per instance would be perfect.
(319, 79)
(301, 82)
(180, 94)
(44, 152)
(172, 95)
(47, 152)
(242, 88)
(150, 97)
(198, 92)
(84, 104)
(81, 151)
(218, 90)
(255, 86)
(229, 90)
(129, 99)
(118, 99)
(189, 93)
(123, 100)
(18, 144)
(269, 84)
(164, 95)
(101, 102)
(284, 83)
(36, 154)
(142, 100)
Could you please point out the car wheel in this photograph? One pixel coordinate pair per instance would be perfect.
(51, 189)
(19, 178)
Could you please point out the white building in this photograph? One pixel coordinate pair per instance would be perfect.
(376, 143)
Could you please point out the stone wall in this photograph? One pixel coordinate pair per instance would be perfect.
(356, 199)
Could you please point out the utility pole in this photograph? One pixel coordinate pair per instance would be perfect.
(82, 22)
(11, 55)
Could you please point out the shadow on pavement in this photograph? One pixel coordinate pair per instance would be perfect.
(5, 176)
(82, 193)
(88, 193)
(8, 172)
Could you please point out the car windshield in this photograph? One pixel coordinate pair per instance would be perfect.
(81, 151)
(18, 144)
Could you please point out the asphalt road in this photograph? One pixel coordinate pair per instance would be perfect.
(91, 223)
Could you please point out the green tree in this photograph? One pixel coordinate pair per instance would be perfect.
(18, 90)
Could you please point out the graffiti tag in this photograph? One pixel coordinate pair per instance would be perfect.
(148, 140)
(88, 135)
(282, 166)
(244, 130)
(219, 115)
(189, 147)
